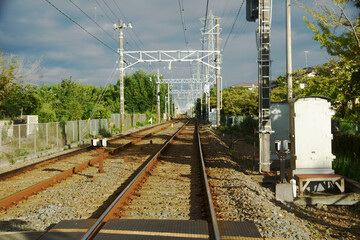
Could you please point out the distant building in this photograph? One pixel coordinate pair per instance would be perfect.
(250, 86)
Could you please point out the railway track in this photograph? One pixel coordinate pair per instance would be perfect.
(157, 188)
(21, 183)
(172, 185)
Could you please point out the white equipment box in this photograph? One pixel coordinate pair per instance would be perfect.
(310, 136)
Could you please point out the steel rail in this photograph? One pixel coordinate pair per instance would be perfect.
(215, 227)
(25, 193)
(110, 212)
(12, 173)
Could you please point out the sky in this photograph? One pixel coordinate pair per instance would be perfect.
(36, 30)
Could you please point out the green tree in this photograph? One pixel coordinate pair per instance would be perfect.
(336, 27)
(140, 92)
(240, 101)
(236, 101)
(337, 30)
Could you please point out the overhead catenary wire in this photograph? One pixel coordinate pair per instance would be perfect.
(135, 39)
(93, 20)
(127, 20)
(232, 27)
(110, 77)
(110, 9)
(181, 8)
(101, 96)
(101, 8)
(72, 20)
(182, 16)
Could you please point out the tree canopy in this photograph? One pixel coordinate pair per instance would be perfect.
(71, 100)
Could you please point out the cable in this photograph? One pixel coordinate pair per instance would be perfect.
(82, 27)
(206, 13)
(104, 90)
(181, 8)
(92, 20)
(110, 9)
(232, 27)
(104, 12)
(131, 30)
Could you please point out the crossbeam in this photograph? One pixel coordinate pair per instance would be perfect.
(170, 56)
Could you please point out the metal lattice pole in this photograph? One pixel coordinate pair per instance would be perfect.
(264, 83)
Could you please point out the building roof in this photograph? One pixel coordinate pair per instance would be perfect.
(246, 85)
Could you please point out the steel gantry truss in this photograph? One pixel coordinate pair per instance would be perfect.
(170, 56)
(209, 58)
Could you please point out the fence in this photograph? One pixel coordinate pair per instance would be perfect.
(26, 139)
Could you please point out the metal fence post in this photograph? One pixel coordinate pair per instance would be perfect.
(19, 136)
(57, 135)
(35, 132)
(73, 133)
(47, 134)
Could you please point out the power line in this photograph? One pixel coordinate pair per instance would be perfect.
(82, 27)
(203, 37)
(206, 13)
(93, 20)
(127, 20)
(232, 27)
(135, 41)
(181, 8)
(110, 10)
(104, 12)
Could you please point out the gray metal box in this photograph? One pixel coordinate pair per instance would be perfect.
(310, 136)
(279, 113)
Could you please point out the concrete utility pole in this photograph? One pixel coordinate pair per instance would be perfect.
(158, 96)
(121, 52)
(288, 51)
(217, 72)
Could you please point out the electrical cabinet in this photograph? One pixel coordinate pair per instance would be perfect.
(310, 136)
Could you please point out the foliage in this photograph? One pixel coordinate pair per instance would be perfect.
(328, 80)
(338, 29)
(14, 95)
(71, 100)
(236, 101)
(347, 152)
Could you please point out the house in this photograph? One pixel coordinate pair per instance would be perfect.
(250, 86)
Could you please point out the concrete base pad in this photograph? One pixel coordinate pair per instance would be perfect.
(283, 192)
(330, 199)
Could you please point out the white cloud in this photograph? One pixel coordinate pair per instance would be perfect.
(35, 29)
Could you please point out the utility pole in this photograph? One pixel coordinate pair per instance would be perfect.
(217, 72)
(264, 21)
(121, 52)
(158, 95)
(288, 51)
(306, 58)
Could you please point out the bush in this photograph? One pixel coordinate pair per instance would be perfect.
(347, 151)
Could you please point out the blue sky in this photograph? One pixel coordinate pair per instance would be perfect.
(36, 30)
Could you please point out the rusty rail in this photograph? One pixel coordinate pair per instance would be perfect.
(212, 215)
(12, 173)
(111, 211)
(16, 197)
